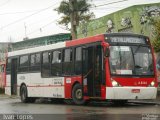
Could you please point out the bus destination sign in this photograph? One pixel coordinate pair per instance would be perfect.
(132, 40)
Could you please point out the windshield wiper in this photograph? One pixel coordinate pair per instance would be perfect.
(137, 49)
(137, 66)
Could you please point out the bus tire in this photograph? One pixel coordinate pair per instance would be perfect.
(77, 94)
(31, 100)
(24, 95)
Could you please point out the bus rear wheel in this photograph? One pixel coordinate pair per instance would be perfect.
(23, 94)
(77, 94)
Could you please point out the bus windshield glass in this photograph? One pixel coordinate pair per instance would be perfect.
(131, 60)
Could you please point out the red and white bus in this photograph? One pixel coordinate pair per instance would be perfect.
(116, 66)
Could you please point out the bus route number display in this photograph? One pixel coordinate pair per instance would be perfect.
(132, 40)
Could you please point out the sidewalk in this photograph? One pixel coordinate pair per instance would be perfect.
(3, 96)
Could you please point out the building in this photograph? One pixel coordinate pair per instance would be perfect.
(40, 41)
(135, 19)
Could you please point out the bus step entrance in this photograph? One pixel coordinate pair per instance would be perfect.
(95, 97)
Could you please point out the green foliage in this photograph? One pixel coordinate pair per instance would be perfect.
(156, 41)
(64, 8)
(81, 9)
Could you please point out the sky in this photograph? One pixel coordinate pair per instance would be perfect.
(36, 18)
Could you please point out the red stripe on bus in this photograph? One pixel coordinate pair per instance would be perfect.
(85, 40)
(43, 86)
(47, 86)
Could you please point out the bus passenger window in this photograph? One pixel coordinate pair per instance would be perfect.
(23, 63)
(67, 55)
(56, 67)
(56, 58)
(8, 69)
(78, 60)
(35, 59)
(35, 62)
(45, 64)
(45, 57)
(67, 62)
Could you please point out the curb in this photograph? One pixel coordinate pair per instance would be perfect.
(144, 102)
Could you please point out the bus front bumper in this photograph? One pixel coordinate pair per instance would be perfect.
(122, 93)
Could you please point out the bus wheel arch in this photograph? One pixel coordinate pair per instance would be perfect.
(77, 94)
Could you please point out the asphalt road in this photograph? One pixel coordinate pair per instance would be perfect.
(12, 108)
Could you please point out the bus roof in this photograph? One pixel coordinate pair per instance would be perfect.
(70, 43)
(57, 45)
(36, 49)
(125, 34)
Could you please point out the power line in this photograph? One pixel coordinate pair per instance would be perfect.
(39, 21)
(19, 12)
(107, 8)
(5, 3)
(28, 16)
(41, 27)
(108, 3)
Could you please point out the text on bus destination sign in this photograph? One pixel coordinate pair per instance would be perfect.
(126, 40)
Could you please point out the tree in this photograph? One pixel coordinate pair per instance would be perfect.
(74, 12)
(156, 41)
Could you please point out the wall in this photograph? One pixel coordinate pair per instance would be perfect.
(135, 19)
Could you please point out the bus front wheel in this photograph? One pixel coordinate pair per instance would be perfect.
(24, 95)
(77, 94)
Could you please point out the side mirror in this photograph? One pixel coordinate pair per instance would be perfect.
(107, 53)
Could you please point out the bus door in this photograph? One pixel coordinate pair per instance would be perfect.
(14, 76)
(92, 71)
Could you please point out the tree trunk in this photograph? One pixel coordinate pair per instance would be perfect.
(73, 19)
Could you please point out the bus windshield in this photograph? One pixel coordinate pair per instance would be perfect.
(131, 60)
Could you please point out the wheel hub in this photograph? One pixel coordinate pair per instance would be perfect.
(79, 94)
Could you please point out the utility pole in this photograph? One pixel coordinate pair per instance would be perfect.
(25, 28)
(73, 18)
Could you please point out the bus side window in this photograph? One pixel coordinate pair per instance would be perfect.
(78, 60)
(56, 66)
(23, 63)
(67, 68)
(45, 70)
(8, 69)
(35, 62)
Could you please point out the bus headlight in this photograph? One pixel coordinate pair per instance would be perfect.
(115, 84)
(152, 84)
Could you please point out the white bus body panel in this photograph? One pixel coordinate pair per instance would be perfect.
(8, 85)
(36, 85)
(42, 87)
(37, 49)
(31, 80)
(126, 93)
(54, 87)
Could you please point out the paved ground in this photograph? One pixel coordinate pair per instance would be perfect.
(95, 111)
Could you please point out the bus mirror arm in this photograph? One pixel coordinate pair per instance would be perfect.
(107, 53)
(106, 49)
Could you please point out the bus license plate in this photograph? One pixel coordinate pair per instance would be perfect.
(135, 90)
